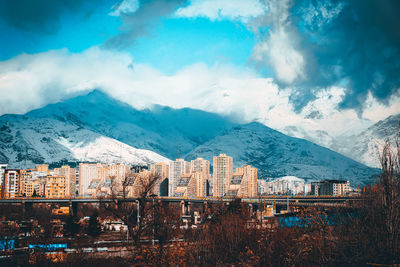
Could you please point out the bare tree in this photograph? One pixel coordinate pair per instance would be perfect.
(135, 215)
(389, 196)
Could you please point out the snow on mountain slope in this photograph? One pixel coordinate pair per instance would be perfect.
(292, 179)
(88, 127)
(367, 146)
(277, 155)
(164, 130)
(318, 137)
(25, 142)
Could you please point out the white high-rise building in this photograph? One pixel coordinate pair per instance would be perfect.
(222, 174)
(3, 168)
(200, 165)
(12, 183)
(120, 171)
(161, 171)
(87, 172)
(176, 169)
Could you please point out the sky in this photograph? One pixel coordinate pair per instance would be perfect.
(330, 66)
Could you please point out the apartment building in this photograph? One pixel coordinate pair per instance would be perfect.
(222, 174)
(176, 169)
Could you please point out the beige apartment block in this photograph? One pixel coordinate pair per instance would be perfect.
(176, 169)
(42, 168)
(70, 175)
(161, 171)
(200, 165)
(87, 172)
(12, 183)
(222, 174)
(56, 186)
(251, 178)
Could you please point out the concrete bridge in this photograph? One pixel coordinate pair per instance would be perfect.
(187, 204)
(298, 200)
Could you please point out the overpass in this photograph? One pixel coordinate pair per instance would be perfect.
(297, 200)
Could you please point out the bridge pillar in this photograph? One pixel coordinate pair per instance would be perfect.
(23, 208)
(73, 208)
(256, 207)
(183, 207)
(205, 206)
(28, 207)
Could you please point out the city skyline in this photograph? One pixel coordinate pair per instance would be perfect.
(177, 178)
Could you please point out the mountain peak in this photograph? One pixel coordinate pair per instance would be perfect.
(98, 94)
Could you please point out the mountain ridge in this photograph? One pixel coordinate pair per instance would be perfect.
(276, 154)
(172, 133)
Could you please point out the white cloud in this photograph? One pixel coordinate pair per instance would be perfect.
(278, 49)
(32, 81)
(222, 9)
(375, 111)
(124, 7)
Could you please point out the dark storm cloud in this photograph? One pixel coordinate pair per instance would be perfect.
(355, 44)
(138, 23)
(40, 16)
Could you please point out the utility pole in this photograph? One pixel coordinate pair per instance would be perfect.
(138, 213)
(153, 221)
(127, 236)
(287, 194)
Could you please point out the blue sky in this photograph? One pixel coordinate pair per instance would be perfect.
(286, 59)
(178, 42)
(172, 43)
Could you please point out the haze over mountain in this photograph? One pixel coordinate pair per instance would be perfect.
(276, 154)
(96, 127)
(367, 146)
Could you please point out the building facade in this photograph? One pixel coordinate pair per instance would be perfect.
(56, 186)
(161, 171)
(250, 188)
(200, 165)
(87, 172)
(12, 183)
(3, 168)
(70, 175)
(222, 174)
(330, 188)
(176, 169)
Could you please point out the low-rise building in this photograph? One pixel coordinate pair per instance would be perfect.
(12, 183)
(330, 188)
(56, 186)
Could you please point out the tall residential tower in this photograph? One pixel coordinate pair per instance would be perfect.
(222, 174)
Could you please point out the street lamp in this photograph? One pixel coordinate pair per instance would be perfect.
(153, 196)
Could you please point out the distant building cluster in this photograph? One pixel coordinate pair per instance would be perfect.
(38, 182)
(290, 185)
(330, 188)
(179, 178)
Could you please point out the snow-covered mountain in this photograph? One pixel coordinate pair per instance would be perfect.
(167, 131)
(26, 141)
(290, 179)
(277, 155)
(96, 127)
(319, 137)
(366, 147)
